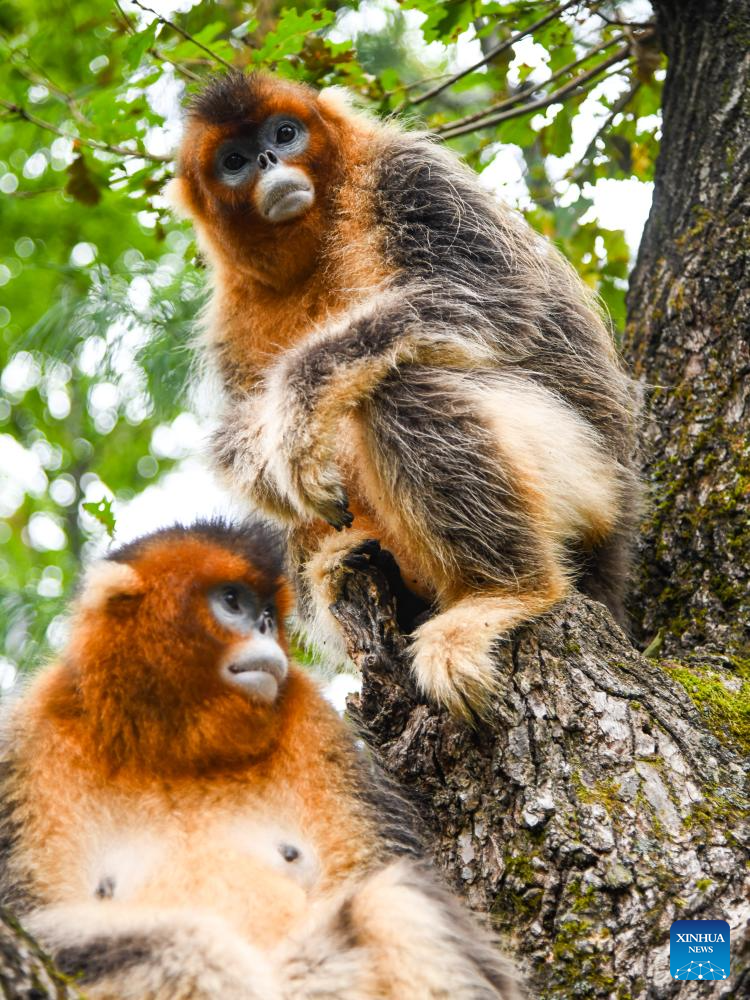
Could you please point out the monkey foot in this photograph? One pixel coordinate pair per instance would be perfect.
(452, 657)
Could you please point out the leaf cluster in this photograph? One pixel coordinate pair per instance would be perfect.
(99, 284)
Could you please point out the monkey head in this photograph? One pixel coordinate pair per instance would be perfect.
(177, 648)
(258, 163)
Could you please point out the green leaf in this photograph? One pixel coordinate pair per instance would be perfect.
(290, 33)
(518, 131)
(445, 21)
(557, 137)
(138, 44)
(102, 511)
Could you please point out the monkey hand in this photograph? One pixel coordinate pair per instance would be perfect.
(293, 459)
(320, 490)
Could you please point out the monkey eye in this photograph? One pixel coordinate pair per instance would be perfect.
(285, 134)
(230, 598)
(234, 162)
(234, 605)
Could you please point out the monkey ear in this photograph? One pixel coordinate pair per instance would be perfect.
(342, 104)
(176, 194)
(109, 583)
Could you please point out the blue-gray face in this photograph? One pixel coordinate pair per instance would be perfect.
(255, 663)
(235, 606)
(237, 159)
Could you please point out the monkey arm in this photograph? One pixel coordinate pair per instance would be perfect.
(238, 455)
(314, 386)
(135, 953)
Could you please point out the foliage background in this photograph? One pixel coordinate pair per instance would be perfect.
(100, 286)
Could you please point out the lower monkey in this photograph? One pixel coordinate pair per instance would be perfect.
(186, 818)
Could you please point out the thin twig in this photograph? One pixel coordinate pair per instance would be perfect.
(33, 194)
(181, 31)
(179, 67)
(490, 55)
(416, 83)
(156, 53)
(37, 75)
(129, 26)
(104, 147)
(60, 95)
(544, 102)
(510, 102)
(616, 22)
(620, 104)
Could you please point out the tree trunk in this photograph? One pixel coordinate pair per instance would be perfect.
(688, 339)
(591, 811)
(595, 806)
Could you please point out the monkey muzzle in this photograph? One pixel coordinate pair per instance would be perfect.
(258, 666)
(283, 192)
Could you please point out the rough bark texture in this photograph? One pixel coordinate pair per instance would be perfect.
(26, 973)
(590, 811)
(689, 339)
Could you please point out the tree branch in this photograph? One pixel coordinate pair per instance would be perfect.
(103, 147)
(620, 104)
(576, 814)
(156, 53)
(584, 81)
(509, 102)
(489, 56)
(185, 34)
(179, 67)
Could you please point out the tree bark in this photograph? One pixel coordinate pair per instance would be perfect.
(595, 806)
(688, 339)
(590, 811)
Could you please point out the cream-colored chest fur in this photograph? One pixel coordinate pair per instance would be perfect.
(230, 859)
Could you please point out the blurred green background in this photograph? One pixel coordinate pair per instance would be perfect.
(556, 105)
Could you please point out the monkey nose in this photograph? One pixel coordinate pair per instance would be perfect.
(267, 159)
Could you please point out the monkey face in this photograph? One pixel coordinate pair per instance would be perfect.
(177, 660)
(262, 159)
(254, 662)
(197, 613)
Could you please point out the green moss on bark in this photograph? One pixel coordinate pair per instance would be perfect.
(723, 699)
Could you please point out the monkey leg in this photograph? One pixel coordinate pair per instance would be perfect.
(117, 952)
(397, 935)
(481, 483)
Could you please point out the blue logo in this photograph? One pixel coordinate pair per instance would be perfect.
(699, 949)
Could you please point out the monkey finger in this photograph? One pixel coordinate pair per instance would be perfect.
(342, 519)
(363, 556)
(335, 509)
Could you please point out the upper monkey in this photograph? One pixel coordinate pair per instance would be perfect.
(404, 356)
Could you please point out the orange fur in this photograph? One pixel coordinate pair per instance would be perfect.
(135, 735)
(273, 287)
